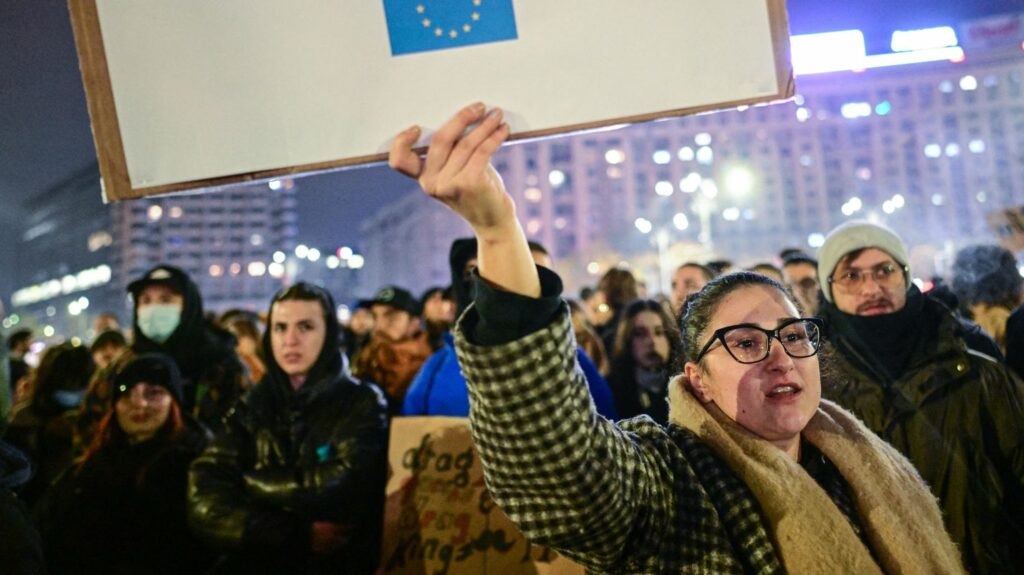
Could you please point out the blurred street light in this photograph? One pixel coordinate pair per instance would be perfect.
(739, 181)
(644, 225)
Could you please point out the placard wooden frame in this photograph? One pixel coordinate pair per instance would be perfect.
(110, 149)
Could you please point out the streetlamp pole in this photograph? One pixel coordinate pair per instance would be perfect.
(661, 241)
(704, 213)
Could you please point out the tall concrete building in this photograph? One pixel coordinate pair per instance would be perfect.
(406, 244)
(62, 270)
(224, 240)
(930, 148)
(77, 254)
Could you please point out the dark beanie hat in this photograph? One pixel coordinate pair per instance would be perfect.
(151, 368)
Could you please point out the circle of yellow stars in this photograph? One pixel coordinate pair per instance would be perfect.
(452, 33)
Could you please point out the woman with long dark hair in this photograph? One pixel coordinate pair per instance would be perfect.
(121, 507)
(644, 357)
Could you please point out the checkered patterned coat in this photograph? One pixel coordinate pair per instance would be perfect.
(629, 498)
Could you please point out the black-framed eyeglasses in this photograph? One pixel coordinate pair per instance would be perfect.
(884, 275)
(748, 343)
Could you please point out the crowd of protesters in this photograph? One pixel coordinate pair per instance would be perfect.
(256, 441)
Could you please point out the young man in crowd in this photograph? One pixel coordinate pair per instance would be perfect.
(909, 372)
(398, 346)
(107, 347)
(438, 314)
(295, 483)
(359, 329)
(800, 275)
(688, 279)
(169, 319)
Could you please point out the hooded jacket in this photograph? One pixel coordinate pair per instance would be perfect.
(213, 377)
(956, 414)
(289, 458)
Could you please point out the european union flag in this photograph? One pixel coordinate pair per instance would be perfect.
(425, 25)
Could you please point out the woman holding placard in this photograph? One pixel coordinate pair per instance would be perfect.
(753, 473)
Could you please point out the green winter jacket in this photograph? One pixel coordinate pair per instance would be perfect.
(958, 415)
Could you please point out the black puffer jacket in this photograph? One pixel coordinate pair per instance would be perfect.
(958, 416)
(289, 458)
(213, 377)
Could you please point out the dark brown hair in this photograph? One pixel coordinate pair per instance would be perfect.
(623, 353)
(618, 286)
(109, 435)
(701, 306)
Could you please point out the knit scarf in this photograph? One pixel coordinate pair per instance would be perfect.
(886, 342)
(901, 518)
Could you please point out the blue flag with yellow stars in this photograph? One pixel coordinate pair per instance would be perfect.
(427, 25)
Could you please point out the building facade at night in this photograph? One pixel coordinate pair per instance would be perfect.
(224, 240)
(63, 260)
(78, 254)
(406, 244)
(929, 148)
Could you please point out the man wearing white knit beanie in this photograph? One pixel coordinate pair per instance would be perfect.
(906, 365)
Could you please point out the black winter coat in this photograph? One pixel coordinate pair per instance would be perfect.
(959, 417)
(124, 511)
(285, 460)
(213, 378)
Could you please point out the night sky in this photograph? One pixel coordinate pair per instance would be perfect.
(44, 125)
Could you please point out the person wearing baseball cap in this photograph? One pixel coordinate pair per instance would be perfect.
(169, 319)
(129, 487)
(398, 347)
(908, 367)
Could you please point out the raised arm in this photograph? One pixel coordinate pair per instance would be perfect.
(457, 172)
(568, 477)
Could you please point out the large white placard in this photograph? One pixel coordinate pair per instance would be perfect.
(210, 91)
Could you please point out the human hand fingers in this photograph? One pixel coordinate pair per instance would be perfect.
(481, 158)
(402, 157)
(466, 147)
(445, 138)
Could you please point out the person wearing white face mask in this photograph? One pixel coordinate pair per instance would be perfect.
(169, 319)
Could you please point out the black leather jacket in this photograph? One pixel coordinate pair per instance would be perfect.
(285, 460)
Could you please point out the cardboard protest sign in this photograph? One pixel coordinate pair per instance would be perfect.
(439, 518)
(194, 94)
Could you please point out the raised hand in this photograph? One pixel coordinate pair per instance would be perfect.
(457, 171)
